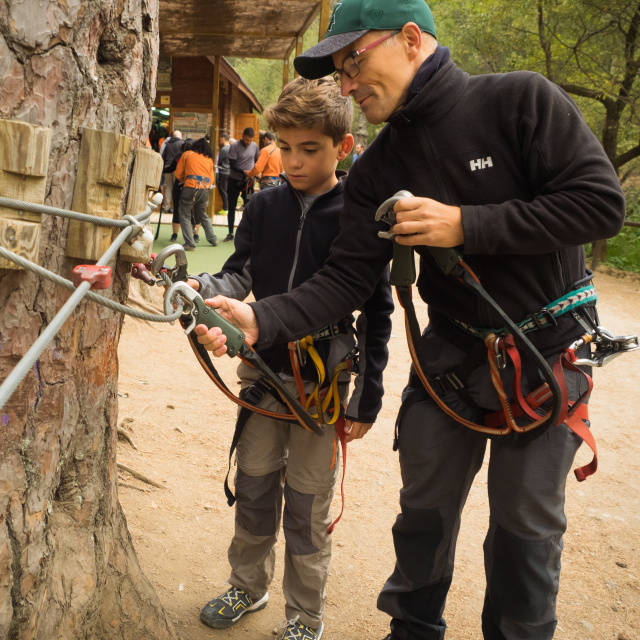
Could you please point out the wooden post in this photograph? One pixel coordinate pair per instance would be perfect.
(24, 156)
(215, 134)
(147, 171)
(285, 73)
(299, 43)
(325, 16)
(102, 173)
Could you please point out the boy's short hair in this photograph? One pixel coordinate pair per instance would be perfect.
(312, 104)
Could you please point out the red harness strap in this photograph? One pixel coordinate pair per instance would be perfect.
(342, 436)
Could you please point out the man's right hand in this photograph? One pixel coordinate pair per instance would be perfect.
(236, 312)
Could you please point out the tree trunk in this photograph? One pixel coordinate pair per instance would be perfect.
(67, 565)
(360, 130)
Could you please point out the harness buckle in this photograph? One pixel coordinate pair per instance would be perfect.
(256, 392)
(447, 382)
(547, 317)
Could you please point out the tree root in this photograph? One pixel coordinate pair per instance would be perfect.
(140, 476)
(123, 435)
(131, 486)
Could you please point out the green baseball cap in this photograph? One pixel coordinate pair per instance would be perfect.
(351, 19)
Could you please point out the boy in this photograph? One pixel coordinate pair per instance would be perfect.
(282, 240)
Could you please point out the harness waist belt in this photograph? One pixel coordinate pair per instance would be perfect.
(331, 331)
(199, 179)
(544, 318)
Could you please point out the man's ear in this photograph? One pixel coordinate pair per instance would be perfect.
(412, 39)
(345, 147)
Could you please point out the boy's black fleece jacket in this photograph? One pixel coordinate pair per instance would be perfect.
(280, 245)
(542, 187)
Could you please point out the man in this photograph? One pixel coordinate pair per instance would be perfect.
(222, 177)
(504, 167)
(358, 153)
(243, 155)
(269, 163)
(171, 148)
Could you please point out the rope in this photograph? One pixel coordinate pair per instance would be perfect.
(67, 284)
(131, 227)
(73, 215)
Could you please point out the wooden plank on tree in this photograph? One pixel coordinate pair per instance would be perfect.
(24, 156)
(147, 171)
(21, 237)
(102, 172)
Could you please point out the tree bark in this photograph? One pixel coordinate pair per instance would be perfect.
(67, 565)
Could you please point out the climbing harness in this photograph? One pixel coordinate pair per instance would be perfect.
(502, 345)
(326, 401)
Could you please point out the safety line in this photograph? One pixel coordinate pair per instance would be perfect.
(131, 227)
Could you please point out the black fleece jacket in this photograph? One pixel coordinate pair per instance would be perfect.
(533, 183)
(281, 243)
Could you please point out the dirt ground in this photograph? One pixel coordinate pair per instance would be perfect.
(182, 426)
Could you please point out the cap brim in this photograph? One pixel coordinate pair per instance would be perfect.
(317, 62)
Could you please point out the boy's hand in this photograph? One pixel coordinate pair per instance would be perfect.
(422, 221)
(356, 430)
(236, 312)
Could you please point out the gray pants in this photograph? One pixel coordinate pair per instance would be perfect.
(279, 460)
(439, 459)
(198, 199)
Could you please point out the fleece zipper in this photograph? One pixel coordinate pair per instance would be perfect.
(303, 217)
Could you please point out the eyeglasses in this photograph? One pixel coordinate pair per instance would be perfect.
(350, 66)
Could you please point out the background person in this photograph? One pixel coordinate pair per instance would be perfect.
(222, 177)
(504, 167)
(171, 148)
(177, 191)
(359, 152)
(195, 170)
(243, 155)
(269, 163)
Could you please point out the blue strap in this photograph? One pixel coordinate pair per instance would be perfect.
(199, 179)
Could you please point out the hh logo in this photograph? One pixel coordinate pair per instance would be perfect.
(481, 163)
(333, 17)
(375, 15)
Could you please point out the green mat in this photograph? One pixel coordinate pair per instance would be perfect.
(205, 258)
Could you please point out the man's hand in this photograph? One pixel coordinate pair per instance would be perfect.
(236, 312)
(422, 221)
(356, 430)
(247, 172)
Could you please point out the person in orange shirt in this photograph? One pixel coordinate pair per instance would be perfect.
(269, 163)
(195, 169)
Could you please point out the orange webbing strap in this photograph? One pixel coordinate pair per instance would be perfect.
(207, 365)
(404, 302)
(295, 366)
(576, 424)
(340, 433)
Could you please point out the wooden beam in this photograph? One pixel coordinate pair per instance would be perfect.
(215, 134)
(299, 44)
(285, 74)
(325, 16)
(284, 35)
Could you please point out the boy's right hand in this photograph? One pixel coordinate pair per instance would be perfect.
(238, 313)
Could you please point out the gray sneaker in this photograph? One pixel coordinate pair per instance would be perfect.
(225, 610)
(295, 630)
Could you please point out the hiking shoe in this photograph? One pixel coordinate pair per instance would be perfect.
(196, 237)
(174, 237)
(225, 610)
(295, 630)
(222, 212)
(229, 238)
(188, 247)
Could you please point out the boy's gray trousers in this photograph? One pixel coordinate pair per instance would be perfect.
(439, 459)
(279, 460)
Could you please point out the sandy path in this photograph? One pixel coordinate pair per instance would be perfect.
(181, 534)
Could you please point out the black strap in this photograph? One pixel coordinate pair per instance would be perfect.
(243, 418)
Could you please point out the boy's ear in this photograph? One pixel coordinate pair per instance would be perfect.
(345, 147)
